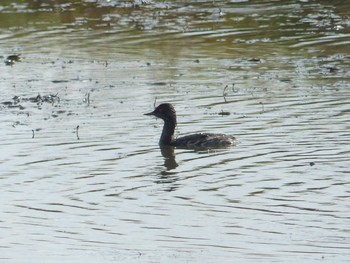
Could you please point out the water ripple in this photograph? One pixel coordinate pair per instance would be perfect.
(83, 177)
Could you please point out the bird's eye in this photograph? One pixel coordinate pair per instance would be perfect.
(160, 110)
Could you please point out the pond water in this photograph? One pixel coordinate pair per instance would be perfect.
(81, 173)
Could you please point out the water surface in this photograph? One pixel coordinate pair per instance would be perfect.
(83, 178)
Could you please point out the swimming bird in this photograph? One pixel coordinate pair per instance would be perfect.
(167, 113)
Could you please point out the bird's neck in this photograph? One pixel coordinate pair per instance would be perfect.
(167, 136)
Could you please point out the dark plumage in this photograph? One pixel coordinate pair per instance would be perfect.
(167, 113)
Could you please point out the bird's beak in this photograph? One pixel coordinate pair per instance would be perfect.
(150, 113)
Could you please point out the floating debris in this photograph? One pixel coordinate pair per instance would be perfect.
(16, 100)
(77, 132)
(7, 103)
(225, 94)
(331, 68)
(11, 59)
(224, 113)
(87, 98)
(256, 60)
(36, 99)
(45, 99)
(60, 81)
(159, 83)
(14, 103)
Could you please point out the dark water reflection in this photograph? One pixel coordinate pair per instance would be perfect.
(105, 192)
(168, 152)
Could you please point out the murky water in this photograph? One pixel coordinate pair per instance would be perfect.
(83, 178)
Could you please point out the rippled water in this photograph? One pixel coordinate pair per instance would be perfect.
(83, 178)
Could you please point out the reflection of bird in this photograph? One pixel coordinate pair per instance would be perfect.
(169, 157)
(167, 113)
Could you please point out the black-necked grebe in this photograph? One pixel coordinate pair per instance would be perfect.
(167, 113)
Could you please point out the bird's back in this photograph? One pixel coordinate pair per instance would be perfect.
(205, 140)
